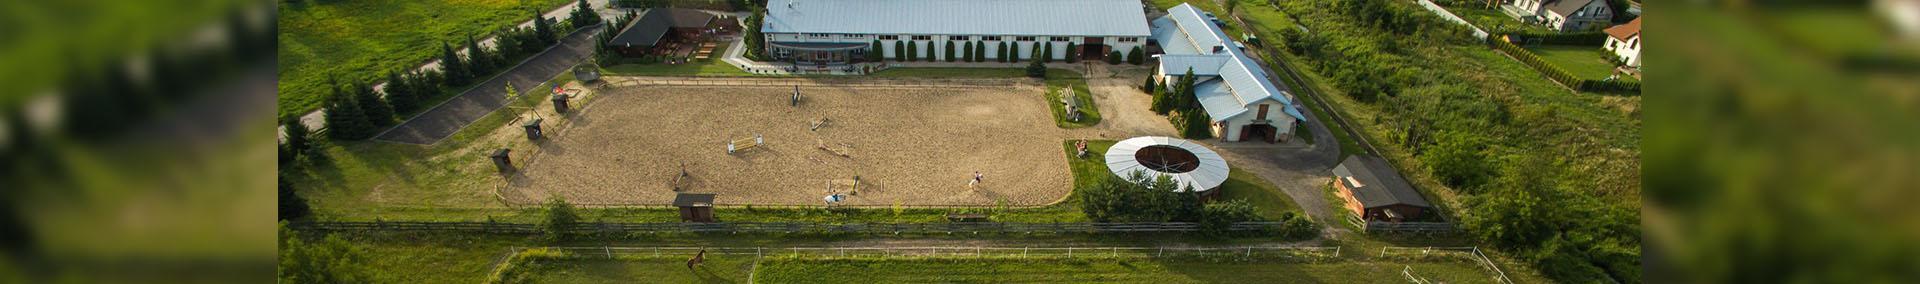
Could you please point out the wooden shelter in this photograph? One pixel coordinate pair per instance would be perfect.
(1375, 192)
(695, 207)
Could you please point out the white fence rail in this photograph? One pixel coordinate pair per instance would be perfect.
(1449, 16)
(1243, 253)
(1471, 253)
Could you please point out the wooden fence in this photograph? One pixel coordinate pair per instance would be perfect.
(1400, 227)
(784, 227)
(1239, 253)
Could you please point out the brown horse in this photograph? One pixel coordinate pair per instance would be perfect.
(697, 259)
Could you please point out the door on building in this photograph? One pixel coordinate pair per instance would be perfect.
(1094, 48)
(1259, 132)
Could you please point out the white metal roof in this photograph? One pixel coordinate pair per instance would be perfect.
(1211, 173)
(1189, 38)
(959, 17)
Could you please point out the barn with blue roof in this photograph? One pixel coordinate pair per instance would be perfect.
(1243, 101)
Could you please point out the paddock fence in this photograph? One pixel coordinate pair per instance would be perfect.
(1237, 253)
(783, 227)
(1446, 253)
(1400, 227)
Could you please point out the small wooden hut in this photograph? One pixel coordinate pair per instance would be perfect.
(695, 207)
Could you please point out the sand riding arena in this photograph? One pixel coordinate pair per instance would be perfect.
(908, 146)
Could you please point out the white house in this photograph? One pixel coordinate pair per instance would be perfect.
(1624, 40)
(839, 31)
(1230, 85)
(1562, 15)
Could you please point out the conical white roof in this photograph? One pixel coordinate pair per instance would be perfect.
(1211, 172)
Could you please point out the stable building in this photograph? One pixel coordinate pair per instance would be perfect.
(842, 31)
(663, 30)
(1374, 191)
(1229, 84)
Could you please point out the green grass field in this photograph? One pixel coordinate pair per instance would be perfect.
(784, 270)
(1581, 61)
(665, 269)
(360, 40)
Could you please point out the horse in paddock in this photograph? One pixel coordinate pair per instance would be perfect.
(697, 259)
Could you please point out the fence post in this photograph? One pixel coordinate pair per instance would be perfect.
(1162, 252)
(1069, 252)
(609, 251)
(1116, 251)
(1249, 253)
(1023, 251)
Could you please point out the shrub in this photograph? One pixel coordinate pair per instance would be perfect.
(1458, 159)
(967, 49)
(950, 54)
(875, 53)
(329, 260)
(1001, 54)
(1139, 199)
(1113, 57)
(1036, 69)
(900, 50)
(1149, 86)
(1073, 53)
(560, 217)
(1136, 56)
(292, 206)
(1218, 218)
(913, 51)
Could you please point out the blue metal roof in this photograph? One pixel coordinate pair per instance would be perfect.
(1189, 39)
(959, 17)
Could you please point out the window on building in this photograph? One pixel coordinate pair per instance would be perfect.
(922, 37)
(1023, 38)
(993, 38)
(819, 35)
(957, 37)
(853, 36)
(890, 37)
(1058, 38)
(1129, 39)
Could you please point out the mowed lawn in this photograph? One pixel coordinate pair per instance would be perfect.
(360, 40)
(664, 269)
(1581, 61)
(1160, 271)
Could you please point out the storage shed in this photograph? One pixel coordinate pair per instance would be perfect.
(1375, 192)
(695, 207)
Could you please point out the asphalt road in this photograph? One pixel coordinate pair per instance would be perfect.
(443, 120)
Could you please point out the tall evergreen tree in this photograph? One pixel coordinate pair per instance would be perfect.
(378, 113)
(543, 29)
(756, 40)
(292, 206)
(479, 60)
(949, 47)
(583, 15)
(1198, 124)
(450, 62)
(875, 53)
(1044, 52)
(1149, 86)
(299, 138)
(1184, 101)
(980, 51)
(1073, 53)
(345, 121)
(1001, 54)
(913, 51)
(1161, 105)
(399, 92)
(1036, 69)
(900, 51)
(968, 49)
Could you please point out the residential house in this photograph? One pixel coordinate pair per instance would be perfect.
(1561, 15)
(1624, 41)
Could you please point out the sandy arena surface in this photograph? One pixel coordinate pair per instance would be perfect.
(915, 146)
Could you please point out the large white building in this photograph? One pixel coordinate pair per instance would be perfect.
(1236, 93)
(837, 31)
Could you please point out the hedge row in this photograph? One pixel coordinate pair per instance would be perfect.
(1575, 38)
(1554, 72)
